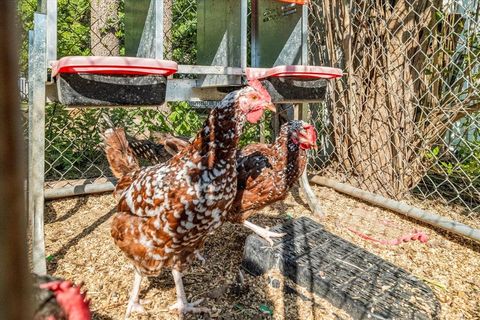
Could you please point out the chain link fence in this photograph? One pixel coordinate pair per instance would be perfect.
(405, 117)
(403, 120)
(74, 152)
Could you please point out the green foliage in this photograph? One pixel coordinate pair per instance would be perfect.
(73, 25)
(26, 8)
(184, 31)
(469, 159)
(184, 119)
(72, 140)
(466, 158)
(120, 31)
(73, 135)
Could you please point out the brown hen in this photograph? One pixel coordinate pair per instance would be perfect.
(266, 172)
(166, 212)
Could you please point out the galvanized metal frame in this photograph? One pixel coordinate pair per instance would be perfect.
(36, 154)
(302, 113)
(150, 43)
(177, 89)
(51, 30)
(243, 36)
(159, 30)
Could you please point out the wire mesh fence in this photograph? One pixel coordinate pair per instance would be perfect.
(74, 152)
(405, 118)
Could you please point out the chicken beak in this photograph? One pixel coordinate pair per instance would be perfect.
(270, 106)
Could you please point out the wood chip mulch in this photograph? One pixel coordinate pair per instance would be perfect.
(79, 247)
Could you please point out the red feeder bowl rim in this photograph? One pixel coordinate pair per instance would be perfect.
(306, 72)
(114, 65)
(301, 2)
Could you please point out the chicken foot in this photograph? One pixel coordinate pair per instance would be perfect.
(182, 305)
(263, 232)
(134, 304)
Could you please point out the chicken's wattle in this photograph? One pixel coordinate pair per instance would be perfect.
(255, 115)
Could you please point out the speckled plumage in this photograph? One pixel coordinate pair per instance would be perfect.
(146, 149)
(166, 211)
(266, 172)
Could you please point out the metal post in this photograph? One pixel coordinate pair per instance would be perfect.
(159, 30)
(301, 112)
(36, 115)
(253, 34)
(243, 37)
(51, 30)
(305, 34)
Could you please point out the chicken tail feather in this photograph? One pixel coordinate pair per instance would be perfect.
(119, 154)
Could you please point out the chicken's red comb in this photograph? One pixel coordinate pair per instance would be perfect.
(257, 85)
(73, 302)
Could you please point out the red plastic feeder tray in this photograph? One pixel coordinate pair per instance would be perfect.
(301, 2)
(104, 81)
(295, 83)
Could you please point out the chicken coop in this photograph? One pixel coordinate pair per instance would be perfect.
(385, 220)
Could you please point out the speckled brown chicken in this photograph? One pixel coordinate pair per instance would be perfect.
(165, 212)
(267, 172)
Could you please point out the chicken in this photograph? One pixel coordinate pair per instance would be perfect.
(120, 153)
(57, 299)
(123, 151)
(160, 148)
(117, 143)
(266, 172)
(165, 212)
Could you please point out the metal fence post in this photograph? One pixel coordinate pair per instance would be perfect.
(51, 30)
(159, 29)
(36, 163)
(301, 112)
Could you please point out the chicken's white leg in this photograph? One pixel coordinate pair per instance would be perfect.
(263, 232)
(133, 303)
(312, 200)
(200, 257)
(182, 305)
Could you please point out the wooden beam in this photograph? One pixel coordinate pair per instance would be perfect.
(14, 280)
